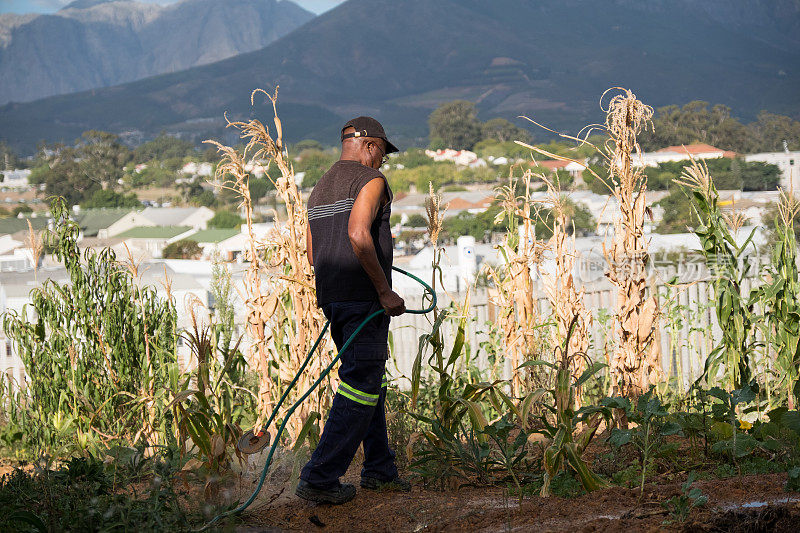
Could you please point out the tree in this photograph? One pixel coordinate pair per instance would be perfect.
(21, 208)
(64, 178)
(480, 225)
(225, 219)
(678, 213)
(415, 220)
(101, 157)
(314, 163)
(501, 130)
(579, 220)
(456, 124)
(696, 122)
(205, 198)
(307, 144)
(757, 176)
(693, 123)
(164, 147)
(259, 187)
(8, 159)
(769, 132)
(728, 174)
(109, 198)
(182, 249)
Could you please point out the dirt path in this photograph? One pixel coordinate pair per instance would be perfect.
(769, 508)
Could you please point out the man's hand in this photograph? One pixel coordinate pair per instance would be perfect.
(392, 303)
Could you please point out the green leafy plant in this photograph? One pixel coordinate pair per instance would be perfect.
(97, 351)
(793, 479)
(729, 264)
(210, 415)
(727, 411)
(680, 506)
(127, 492)
(651, 425)
(560, 420)
(780, 297)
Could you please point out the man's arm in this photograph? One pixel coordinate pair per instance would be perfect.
(309, 250)
(362, 215)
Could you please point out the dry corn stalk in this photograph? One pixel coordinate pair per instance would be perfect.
(283, 318)
(559, 286)
(513, 286)
(635, 363)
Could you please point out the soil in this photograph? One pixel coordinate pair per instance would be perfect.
(750, 503)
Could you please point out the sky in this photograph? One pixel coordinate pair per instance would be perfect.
(48, 6)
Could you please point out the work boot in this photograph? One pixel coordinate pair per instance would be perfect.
(342, 493)
(397, 484)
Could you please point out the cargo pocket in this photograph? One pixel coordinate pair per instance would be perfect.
(370, 351)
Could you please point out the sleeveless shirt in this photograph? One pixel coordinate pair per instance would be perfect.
(338, 273)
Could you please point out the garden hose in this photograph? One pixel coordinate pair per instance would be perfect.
(322, 376)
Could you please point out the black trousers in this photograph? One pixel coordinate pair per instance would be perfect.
(357, 414)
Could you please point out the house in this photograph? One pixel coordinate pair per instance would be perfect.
(574, 168)
(680, 153)
(94, 222)
(194, 217)
(229, 244)
(463, 158)
(149, 241)
(18, 225)
(788, 163)
(198, 169)
(15, 179)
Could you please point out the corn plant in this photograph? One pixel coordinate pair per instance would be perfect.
(565, 297)
(729, 264)
(781, 299)
(634, 362)
(210, 404)
(282, 315)
(454, 439)
(97, 350)
(561, 420)
(512, 290)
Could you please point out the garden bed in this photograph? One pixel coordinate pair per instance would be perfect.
(750, 503)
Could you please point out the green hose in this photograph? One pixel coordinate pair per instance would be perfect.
(322, 376)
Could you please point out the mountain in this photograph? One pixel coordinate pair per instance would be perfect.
(397, 59)
(98, 43)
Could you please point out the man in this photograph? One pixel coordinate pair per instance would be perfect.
(350, 246)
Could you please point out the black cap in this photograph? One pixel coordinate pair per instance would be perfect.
(368, 127)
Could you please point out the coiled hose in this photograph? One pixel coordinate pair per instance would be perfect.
(322, 376)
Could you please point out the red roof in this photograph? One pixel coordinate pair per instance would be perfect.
(459, 203)
(691, 148)
(552, 164)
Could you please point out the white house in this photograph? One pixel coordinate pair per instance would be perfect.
(788, 163)
(16, 179)
(463, 158)
(680, 153)
(197, 169)
(195, 218)
(149, 241)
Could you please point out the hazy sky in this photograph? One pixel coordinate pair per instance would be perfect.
(48, 6)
